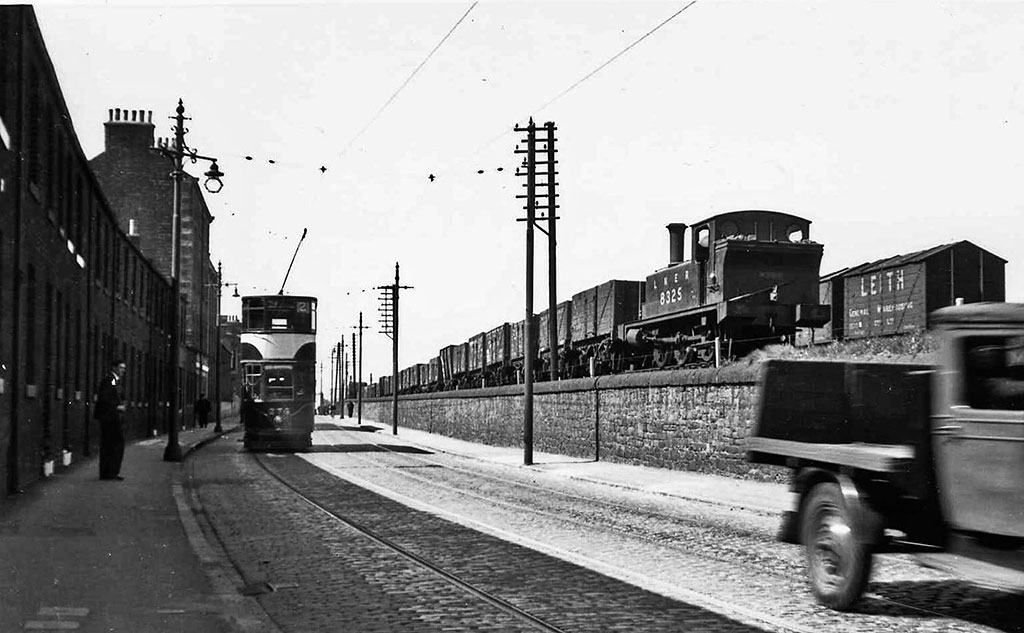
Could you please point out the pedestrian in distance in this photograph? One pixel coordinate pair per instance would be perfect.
(203, 410)
(110, 414)
(350, 407)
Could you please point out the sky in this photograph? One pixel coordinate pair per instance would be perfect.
(893, 127)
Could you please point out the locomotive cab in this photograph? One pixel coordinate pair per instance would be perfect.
(751, 279)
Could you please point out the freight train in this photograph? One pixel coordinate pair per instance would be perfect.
(734, 282)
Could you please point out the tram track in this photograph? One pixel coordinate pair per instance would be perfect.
(471, 589)
(789, 578)
(672, 591)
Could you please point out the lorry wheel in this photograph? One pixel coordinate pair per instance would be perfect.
(838, 558)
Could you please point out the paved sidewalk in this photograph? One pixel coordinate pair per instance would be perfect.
(78, 553)
(752, 495)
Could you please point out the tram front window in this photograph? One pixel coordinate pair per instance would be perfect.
(278, 382)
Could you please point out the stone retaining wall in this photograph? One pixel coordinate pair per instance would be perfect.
(694, 420)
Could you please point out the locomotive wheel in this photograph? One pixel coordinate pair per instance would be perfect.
(660, 358)
(681, 356)
(838, 557)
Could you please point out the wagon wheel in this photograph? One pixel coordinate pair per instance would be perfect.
(604, 357)
(704, 355)
(838, 547)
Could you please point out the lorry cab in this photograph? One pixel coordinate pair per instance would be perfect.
(978, 419)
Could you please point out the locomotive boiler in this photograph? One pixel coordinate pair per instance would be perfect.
(735, 281)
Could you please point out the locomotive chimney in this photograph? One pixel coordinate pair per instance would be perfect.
(676, 242)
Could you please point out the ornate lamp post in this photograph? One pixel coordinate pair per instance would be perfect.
(172, 453)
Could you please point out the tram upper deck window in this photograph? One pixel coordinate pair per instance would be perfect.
(280, 314)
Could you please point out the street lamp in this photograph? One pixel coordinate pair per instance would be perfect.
(213, 184)
(217, 428)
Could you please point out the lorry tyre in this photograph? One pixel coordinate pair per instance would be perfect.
(838, 557)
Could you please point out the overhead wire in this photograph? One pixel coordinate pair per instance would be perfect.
(323, 169)
(407, 80)
(591, 74)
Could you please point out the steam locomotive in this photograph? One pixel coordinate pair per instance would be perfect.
(734, 282)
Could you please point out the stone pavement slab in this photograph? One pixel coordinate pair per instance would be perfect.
(79, 553)
(752, 495)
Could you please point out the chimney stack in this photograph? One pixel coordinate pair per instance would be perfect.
(128, 130)
(676, 242)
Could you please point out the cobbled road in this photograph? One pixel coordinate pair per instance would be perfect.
(577, 555)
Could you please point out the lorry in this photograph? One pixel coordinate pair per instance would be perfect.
(904, 457)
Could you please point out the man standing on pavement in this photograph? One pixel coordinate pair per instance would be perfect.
(203, 410)
(109, 411)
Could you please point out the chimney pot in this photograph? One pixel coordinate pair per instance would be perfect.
(110, 114)
(117, 114)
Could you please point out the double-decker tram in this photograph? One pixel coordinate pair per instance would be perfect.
(278, 358)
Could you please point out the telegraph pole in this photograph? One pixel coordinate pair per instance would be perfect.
(339, 394)
(360, 327)
(352, 354)
(533, 188)
(333, 373)
(342, 374)
(549, 127)
(528, 334)
(389, 308)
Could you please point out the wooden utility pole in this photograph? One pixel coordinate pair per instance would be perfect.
(549, 127)
(333, 375)
(342, 374)
(359, 386)
(529, 170)
(389, 321)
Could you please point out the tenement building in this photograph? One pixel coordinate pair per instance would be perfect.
(136, 180)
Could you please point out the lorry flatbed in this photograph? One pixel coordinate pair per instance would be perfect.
(881, 458)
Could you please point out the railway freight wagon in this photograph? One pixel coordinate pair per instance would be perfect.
(433, 374)
(894, 295)
(561, 346)
(422, 376)
(477, 360)
(409, 379)
(598, 316)
(454, 365)
(751, 279)
(498, 370)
